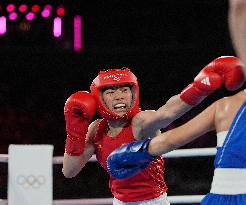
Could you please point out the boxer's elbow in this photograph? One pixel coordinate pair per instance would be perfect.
(69, 173)
(72, 165)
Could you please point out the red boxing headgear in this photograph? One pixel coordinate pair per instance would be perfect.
(115, 77)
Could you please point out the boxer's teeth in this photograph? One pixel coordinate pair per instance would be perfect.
(120, 106)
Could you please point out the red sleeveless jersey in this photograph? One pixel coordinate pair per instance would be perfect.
(147, 184)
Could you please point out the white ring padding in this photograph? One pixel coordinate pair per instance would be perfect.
(229, 181)
(194, 152)
(187, 199)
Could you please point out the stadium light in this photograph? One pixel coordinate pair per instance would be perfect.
(13, 16)
(77, 41)
(57, 27)
(2, 25)
(10, 8)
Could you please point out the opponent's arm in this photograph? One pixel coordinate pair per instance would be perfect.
(227, 70)
(217, 116)
(175, 138)
(78, 110)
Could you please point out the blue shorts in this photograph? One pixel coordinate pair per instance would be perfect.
(221, 199)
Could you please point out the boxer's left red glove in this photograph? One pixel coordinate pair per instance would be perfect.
(225, 69)
(78, 110)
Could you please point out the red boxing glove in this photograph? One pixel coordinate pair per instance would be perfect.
(78, 110)
(225, 69)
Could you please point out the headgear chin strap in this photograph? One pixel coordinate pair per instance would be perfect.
(115, 77)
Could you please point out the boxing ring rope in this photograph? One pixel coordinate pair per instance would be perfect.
(194, 152)
(186, 199)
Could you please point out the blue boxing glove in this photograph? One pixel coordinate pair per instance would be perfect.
(129, 159)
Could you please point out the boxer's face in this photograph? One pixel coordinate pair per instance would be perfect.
(118, 98)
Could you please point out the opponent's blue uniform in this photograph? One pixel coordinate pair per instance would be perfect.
(229, 181)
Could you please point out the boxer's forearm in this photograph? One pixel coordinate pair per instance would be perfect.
(173, 109)
(72, 165)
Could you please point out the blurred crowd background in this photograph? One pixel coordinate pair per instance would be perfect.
(164, 42)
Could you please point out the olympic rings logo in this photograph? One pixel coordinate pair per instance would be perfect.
(31, 181)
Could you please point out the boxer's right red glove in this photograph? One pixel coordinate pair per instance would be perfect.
(225, 69)
(78, 110)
